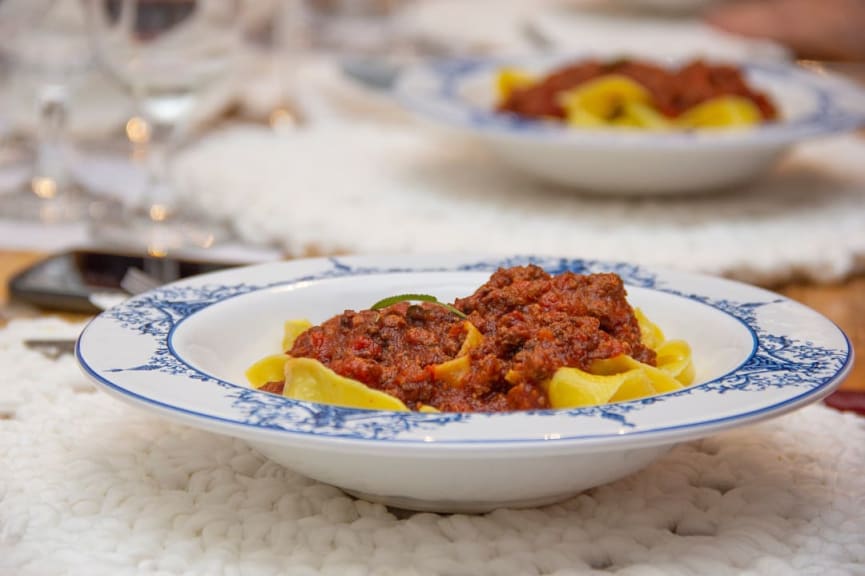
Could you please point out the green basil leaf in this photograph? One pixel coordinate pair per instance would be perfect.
(391, 300)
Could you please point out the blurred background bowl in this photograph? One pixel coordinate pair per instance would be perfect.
(460, 93)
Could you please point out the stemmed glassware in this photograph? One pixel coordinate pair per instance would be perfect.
(371, 40)
(46, 48)
(353, 26)
(168, 54)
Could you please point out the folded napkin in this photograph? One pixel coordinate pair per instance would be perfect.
(92, 487)
(398, 188)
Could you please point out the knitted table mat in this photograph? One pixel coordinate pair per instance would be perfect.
(395, 188)
(90, 486)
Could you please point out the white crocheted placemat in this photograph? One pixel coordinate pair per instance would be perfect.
(89, 486)
(398, 188)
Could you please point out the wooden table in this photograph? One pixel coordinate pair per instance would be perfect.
(843, 303)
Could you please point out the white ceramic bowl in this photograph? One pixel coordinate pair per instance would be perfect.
(181, 351)
(460, 94)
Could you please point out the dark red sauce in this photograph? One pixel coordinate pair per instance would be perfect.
(532, 324)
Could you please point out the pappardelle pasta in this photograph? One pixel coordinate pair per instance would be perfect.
(636, 95)
(524, 340)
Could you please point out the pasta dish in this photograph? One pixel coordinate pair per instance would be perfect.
(524, 340)
(638, 95)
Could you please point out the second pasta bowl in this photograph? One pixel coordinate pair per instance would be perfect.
(464, 94)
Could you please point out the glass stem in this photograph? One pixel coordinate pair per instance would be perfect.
(159, 200)
(51, 175)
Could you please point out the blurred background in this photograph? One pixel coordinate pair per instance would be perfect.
(233, 131)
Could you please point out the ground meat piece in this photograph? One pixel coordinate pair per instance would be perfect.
(520, 298)
(393, 349)
(534, 324)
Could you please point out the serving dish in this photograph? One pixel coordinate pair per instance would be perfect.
(460, 93)
(181, 351)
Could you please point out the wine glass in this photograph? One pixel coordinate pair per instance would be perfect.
(168, 54)
(371, 40)
(47, 51)
(359, 27)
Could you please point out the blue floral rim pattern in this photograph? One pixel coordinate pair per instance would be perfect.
(776, 361)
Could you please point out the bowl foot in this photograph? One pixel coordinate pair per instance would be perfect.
(403, 503)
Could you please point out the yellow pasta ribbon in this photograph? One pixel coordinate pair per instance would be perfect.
(623, 378)
(650, 334)
(268, 369)
(291, 330)
(611, 100)
(452, 371)
(310, 380)
(571, 388)
(610, 380)
(721, 112)
(509, 80)
(642, 115)
(272, 368)
(674, 358)
(473, 339)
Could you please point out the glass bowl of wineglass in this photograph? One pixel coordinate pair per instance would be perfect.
(168, 54)
(46, 54)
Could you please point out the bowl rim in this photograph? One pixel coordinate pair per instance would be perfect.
(133, 316)
(430, 91)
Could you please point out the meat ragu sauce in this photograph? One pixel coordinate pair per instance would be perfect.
(393, 349)
(673, 91)
(532, 324)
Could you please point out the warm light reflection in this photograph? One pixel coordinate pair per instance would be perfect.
(155, 251)
(812, 66)
(138, 130)
(44, 187)
(282, 117)
(208, 241)
(158, 212)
